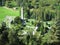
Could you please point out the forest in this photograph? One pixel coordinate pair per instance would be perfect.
(29, 22)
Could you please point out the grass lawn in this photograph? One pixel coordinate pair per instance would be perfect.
(4, 12)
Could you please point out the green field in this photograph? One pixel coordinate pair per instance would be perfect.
(4, 12)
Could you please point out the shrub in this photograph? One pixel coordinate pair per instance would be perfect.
(11, 4)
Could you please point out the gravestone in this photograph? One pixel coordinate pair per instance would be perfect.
(8, 20)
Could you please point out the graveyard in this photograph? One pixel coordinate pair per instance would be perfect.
(29, 22)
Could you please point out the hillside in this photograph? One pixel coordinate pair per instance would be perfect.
(6, 11)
